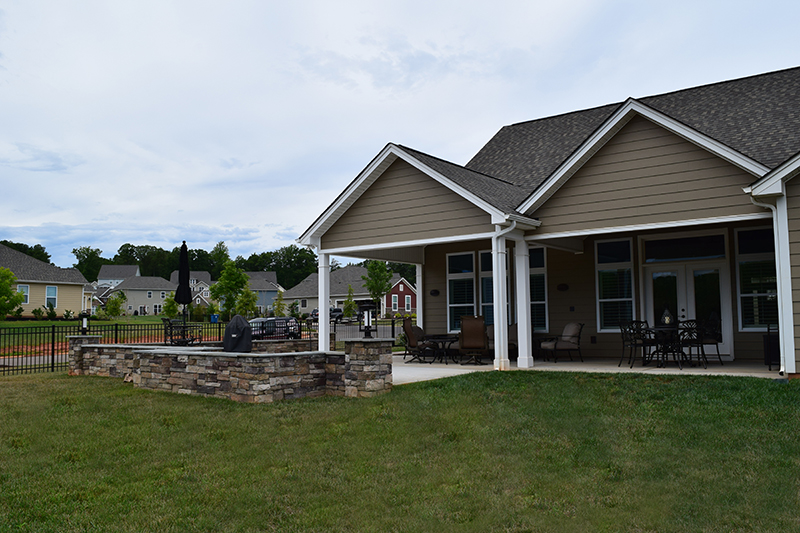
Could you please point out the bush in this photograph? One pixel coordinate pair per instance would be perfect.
(68, 315)
(18, 313)
(38, 314)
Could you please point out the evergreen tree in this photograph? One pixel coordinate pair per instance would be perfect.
(349, 308)
(10, 298)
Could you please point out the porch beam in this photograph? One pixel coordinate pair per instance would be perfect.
(324, 293)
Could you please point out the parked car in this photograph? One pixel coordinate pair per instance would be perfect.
(275, 328)
(337, 314)
(314, 314)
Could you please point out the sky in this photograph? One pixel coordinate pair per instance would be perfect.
(153, 122)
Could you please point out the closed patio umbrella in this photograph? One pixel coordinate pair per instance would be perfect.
(184, 293)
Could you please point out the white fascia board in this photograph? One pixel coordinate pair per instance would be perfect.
(367, 177)
(407, 244)
(772, 184)
(647, 227)
(615, 123)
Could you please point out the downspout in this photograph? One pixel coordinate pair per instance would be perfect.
(499, 267)
(774, 210)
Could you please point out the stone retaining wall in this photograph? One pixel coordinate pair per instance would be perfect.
(363, 370)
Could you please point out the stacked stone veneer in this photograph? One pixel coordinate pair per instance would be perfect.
(251, 377)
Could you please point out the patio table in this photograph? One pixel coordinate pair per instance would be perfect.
(667, 342)
(443, 343)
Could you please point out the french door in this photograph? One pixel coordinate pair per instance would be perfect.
(691, 290)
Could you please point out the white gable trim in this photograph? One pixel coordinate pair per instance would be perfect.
(772, 184)
(371, 173)
(615, 123)
(421, 243)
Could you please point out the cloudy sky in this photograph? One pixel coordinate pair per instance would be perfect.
(153, 122)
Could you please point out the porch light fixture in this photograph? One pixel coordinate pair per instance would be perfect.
(435, 292)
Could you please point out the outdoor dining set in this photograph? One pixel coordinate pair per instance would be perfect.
(684, 341)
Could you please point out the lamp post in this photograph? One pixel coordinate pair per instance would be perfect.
(84, 317)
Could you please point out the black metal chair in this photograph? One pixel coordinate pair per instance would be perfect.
(712, 334)
(772, 347)
(691, 338)
(415, 346)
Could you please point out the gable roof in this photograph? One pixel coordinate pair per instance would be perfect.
(27, 268)
(753, 122)
(263, 281)
(199, 275)
(154, 283)
(118, 271)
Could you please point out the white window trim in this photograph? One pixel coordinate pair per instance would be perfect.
(613, 266)
(468, 275)
(542, 270)
(408, 302)
(749, 257)
(163, 295)
(149, 295)
(26, 292)
(395, 302)
(46, 297)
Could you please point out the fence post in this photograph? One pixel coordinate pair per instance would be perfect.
(53, 348)
(393, 335)
(116, 333)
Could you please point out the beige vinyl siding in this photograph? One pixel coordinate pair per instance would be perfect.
(70, 297)
(405, 205)
(646, 175)
(793, 205)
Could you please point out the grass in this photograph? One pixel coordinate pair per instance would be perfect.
(488, 451)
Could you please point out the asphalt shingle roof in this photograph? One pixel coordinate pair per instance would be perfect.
(147, 283)
(340, 280)
(117, 271)
(758, 116)
(27, 268)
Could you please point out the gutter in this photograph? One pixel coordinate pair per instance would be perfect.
(774, 210)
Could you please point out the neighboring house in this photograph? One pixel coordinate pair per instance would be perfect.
(684, 201)
(401, 299)
(145, 294)
(113, 275)
(265, 285)
(306, 292)
(200, 283)
(43, 283)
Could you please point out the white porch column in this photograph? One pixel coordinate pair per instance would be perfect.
(523, 299)
(500, 303)
(324, 329)
(419, 296)
(783, 268)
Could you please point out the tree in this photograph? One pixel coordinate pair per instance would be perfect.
(115, 305)
(246, 302)
(170, 309)
(294, 309)
(36, 251)
(279, 305)
(291, 264)
(406, 270)
(377, 281)
(218, 259)
(226, 290)
(349, 308)
(89, 261)
(10, 297)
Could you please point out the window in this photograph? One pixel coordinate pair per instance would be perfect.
(537, 266)
(26, 290)
(157, 308)
(614, 265)
(197, 301)
(460, 289)
(757, 281)
(51, 296)
(163, 295)
(205, 294)
(408, 303)
(401, 287)
(149, 294)
(394, 302)
(303, 304)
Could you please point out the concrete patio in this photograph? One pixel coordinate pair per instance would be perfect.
(411, 372)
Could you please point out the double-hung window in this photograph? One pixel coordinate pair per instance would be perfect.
(408, 302)
(757, 280)
(614, 267)
(395, 302)
(26, 290)
(51, 296)
(460, 288)
(538, 289)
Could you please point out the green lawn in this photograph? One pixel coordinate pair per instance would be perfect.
(488, 451)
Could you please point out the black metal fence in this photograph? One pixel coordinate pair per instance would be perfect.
(27, 349)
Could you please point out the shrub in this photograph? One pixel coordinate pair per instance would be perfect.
(38, 314)
(68, 315)
(18, 313)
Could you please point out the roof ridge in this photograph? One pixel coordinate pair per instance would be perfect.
(724, 82)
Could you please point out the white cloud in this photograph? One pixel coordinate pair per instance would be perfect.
(153, 122)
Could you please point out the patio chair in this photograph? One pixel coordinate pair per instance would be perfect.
(712, 335)
(569, 341)
(691, 338)
(415, 345)
(473, 340)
